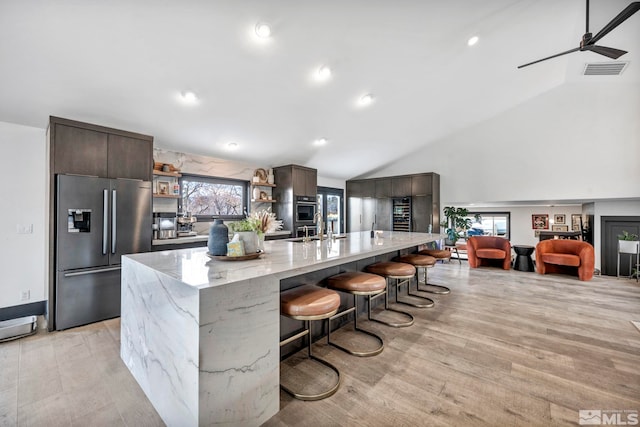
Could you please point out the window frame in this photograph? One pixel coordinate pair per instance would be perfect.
(507, 214)
(208, 179)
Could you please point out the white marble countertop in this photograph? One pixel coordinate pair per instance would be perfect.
(282, 258)
(204, 238)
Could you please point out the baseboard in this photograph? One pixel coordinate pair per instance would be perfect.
(37, 308)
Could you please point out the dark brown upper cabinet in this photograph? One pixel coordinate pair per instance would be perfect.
(79, 151)
(400, 186)
(383, 188)
(305, 181)
(421, 185)
(86, 149)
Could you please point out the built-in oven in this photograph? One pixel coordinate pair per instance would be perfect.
(305, 209)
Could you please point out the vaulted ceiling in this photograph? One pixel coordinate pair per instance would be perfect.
(125, 64)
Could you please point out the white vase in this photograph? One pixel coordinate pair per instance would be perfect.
(256, 193)
(270, 179)
(250, 241)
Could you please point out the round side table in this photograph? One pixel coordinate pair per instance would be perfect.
(523, 260)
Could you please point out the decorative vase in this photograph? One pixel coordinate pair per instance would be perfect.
(218, 238)
(250, 240)
(256, 193)
(270, 179)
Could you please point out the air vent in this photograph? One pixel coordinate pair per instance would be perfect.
(604, 68)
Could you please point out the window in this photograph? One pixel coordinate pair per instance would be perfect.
(330, 205)
(493, 224)
(205, 197)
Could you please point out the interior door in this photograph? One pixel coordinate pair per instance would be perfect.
(80, 214)
(131, 225)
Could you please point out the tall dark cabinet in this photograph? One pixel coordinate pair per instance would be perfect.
(295, 184)
(371, 201)
(77, 148)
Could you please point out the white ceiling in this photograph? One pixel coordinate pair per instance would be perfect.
(123, 63)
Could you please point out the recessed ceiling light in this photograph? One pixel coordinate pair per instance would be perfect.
(263, 30)
(320, 141)
(231, 146)
(189, 97)
(473, 40)
(366, 99)
(323, 73)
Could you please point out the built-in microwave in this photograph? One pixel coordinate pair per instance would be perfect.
(305, 209)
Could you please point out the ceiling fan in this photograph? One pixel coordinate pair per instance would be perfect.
(589, 41)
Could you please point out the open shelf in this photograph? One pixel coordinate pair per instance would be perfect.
(263, 200)
(173, 174)
(166, 196)
(262, 184)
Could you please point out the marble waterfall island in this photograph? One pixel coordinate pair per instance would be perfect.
(201, 336)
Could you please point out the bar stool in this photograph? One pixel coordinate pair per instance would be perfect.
(423, 262)
(438, 254)
(392, 270)
(307, 303)
(357, 283)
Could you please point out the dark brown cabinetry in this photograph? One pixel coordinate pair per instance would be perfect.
(304, 180)
(370, 200)
(79, 151)
(383, 188)
(296, 185)
(401, 186)
(86, 149)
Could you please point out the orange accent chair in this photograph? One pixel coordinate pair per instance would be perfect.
(489, 250)
(565, 257)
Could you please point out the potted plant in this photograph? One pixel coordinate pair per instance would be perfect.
(250, 231)
(628, 243)
(457, 222)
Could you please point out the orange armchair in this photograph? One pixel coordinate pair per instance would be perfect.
(565, 257)
(488, 250)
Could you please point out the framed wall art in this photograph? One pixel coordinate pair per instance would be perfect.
(559, 219)
(559, 227)
(163, 187)
(576, 222)
(540, 221)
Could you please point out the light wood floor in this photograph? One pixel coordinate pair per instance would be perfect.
(505, 348)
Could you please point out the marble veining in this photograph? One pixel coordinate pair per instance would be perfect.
(201, 336)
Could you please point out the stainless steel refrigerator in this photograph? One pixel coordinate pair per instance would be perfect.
(98, 220)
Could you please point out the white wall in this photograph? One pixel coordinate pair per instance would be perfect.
(24, 195)
(578, 141)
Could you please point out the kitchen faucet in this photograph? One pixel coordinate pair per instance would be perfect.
(317, 218)
(305, 239)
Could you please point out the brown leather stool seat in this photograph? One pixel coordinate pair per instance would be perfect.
(402, 273)
(422, 262)
(307, 303)
(357, 283)
(438, 254)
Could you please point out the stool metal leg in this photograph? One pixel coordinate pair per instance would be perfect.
(386, 307)
(321, 395)
(401, 281)
(358, 353)
(438, 289)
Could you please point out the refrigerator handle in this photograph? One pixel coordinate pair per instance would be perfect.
(105, 220)
(113, 223)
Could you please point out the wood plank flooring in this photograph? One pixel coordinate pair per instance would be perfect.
(505, 348)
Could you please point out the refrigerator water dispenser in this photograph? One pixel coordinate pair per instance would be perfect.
(79, 221)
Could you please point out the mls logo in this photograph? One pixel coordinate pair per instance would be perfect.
(590, 417)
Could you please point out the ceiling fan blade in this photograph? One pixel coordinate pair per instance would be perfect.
(622, 16)
(549, 57)
(606, 51)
